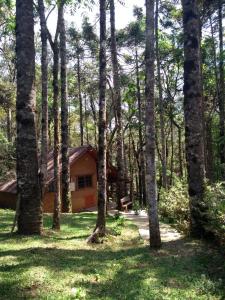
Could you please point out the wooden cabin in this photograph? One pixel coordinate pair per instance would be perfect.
(83, 181)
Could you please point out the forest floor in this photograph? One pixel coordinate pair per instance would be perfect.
(61, 265)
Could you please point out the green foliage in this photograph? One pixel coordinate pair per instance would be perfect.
(7, 157)
(215, 200)
(174, 205)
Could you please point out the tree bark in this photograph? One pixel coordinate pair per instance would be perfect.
(221, 89)
(66, 205)
(55, 49)
(161, 106)
(142, 190)
(193, 121)
(9, 124)
(80, 102)
(117, 98)
(44, 83)
(179, 149)
(155, 240)
(86, 119)
(57, 204)
(172, 148)
(102, 147)
(28, 185)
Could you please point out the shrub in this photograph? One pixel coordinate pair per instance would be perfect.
(215, 200)
(174, 205)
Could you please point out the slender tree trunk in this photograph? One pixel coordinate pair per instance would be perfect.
(86, 119)
(214, 58)
(131, 168)
(80, 102)
(102, 147)
(155, 240)
(193, 113)
(94, 117)
(140, 128)
(66, 205)
(57, 204)
(117, 99)
(28, 185)
(221, 89)
(44, 83)
(209, 152)
(172, 150)
(9, 124)
(161, 106)
(179, 149)
(57, 196)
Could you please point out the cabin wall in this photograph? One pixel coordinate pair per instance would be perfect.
(86, 197)
(82, 198)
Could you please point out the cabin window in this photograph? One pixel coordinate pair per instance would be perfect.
(84, 181)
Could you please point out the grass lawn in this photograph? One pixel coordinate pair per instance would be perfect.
(62, 266)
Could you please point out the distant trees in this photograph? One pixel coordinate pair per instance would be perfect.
(28, 185)
(142, 123)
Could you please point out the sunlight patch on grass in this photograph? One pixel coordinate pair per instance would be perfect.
(61, 265)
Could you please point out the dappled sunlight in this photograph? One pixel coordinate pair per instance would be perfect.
(57, 264)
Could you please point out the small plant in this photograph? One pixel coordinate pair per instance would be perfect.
(136, 207)
(118, 224)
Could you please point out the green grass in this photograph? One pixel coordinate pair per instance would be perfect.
(62, 266)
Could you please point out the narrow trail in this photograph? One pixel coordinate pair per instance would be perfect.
(141, 221)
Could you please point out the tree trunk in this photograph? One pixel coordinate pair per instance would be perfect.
(155, 240)
(9, 124)
(179, 149)
(140, 128)
(161, 106)
(214, 58)
(193, 113)
(94, 117)
(66, 205)
(102, 147)
(209, 152)
(172, 149)
(117, 99)
(56, 213)
(44, 83)
(86, 119)
(221, 89)
(80, 102)
(28, 185)
(57, 196)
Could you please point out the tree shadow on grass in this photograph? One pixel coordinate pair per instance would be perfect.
(131, 273)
